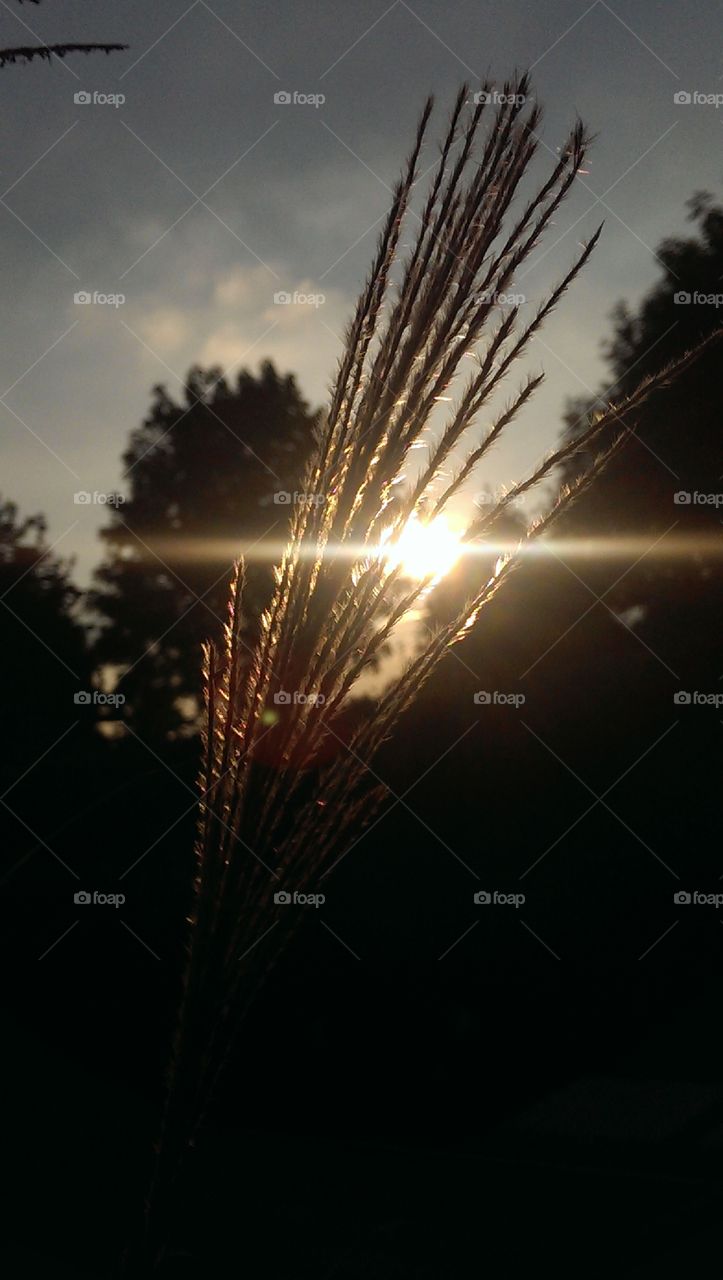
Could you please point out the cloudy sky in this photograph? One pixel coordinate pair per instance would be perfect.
(199, 197)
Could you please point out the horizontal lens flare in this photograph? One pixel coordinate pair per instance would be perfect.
(429, 550)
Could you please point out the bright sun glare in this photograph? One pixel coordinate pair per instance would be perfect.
(425, 549)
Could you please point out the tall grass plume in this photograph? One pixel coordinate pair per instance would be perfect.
(427, 336)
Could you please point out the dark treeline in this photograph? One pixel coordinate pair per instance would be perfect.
(417, 1020)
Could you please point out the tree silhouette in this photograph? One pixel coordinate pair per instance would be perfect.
(47, 661)
(203, 476)
(649, 493)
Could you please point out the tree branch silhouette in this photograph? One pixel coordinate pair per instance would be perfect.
(26, 53)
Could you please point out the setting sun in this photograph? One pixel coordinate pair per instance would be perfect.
(425, 549)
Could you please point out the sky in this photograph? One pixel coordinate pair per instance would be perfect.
(198, 197)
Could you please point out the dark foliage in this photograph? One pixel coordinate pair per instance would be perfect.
(201, 480)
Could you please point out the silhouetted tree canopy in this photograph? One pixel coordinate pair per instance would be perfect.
(677, 449)
(515, 789)
(201, 477)
(42, 638)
